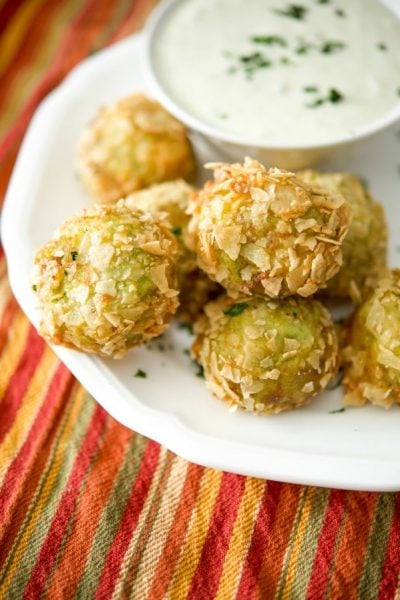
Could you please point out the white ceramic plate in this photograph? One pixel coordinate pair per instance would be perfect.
(355, 449)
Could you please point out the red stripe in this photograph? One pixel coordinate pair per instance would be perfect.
(7, 12)
(208, 573)
(129, 520)
(326, 546)
(56, 532)
(10, 310)
(391, 568)
(259, 540)
(59, 386)
(19, 381)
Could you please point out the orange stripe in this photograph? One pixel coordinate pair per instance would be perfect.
(92, 502)
(348, 564)
(166, 564)
(271, 567)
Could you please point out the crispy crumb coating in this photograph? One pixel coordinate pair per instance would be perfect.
(372, 356)
(365, 246)
(266, 356)
(265, 232)
(107, 280)
(172, 199)
(129, 145)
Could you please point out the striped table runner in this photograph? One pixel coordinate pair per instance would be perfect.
(89, 509)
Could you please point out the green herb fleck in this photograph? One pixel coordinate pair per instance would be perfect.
(200, 370)
(293, 11)
(330, 47)
(303, 47)
(335, 96)
(382, 47)
(269, 40)
(338, 410)
(140, 373)
(236, 309)
(316, 103)
(34, 287)
(340, 13)
(310, 89)
(285, 61)
(186, 351)
(323, 1)
(335, 383)
(177, 230)
(187, 326)
(74, 255)
(65, 272)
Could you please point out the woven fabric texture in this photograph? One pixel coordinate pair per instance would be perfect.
(89, 509)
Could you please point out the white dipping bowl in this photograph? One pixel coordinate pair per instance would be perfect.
(235, 147)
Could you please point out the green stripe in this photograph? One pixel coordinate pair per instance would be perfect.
(288, 553)
(376, 549)
(28, 559)
(111, 517)
(167, 461)
(309, 545)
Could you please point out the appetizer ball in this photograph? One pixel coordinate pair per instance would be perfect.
(266, 356)
(372, 356)
(107, 280)
(265, 232)
(131, 144)
(197, 289)
(172, 199)
(365, 246)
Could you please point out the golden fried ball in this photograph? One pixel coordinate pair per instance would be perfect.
(265, 232)
(107, 280)
(197, 289)
(372, 356)
(131, 144)
(172, 199)
(266, 356)
(365, 246)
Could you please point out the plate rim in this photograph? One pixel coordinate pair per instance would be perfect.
(356, 473)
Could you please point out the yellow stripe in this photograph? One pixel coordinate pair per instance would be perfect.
(46, 492)
(297, 542)
(157, 536)
(241, 538)
(12, 350)
(12, 37)
(30, 406)
(28, 76)
(196, 535)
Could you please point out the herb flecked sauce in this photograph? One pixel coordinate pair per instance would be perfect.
(272, 71)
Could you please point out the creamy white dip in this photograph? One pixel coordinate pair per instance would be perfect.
(276, 71)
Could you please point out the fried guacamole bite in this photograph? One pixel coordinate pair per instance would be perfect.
(365, 246)
(172, 199)
(372, 357)
(266, 356)
(107, 280)
(129, 145)
(266, 232)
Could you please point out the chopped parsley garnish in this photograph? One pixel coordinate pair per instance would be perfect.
(335, 383)
(140, 373)
(200, 370)
(236, 309)
(293, 11)
(34, 287)
(332, 46)
(187, 326)
(303, 47)
(382, 47)
(252, 62)
(338, 410)
(340, 13)
(177, 230)
(323, 1)
(269, 40)
(74, 255)
(335, 96)
(310, 89)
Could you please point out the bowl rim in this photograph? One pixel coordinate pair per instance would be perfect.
(160, 13)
